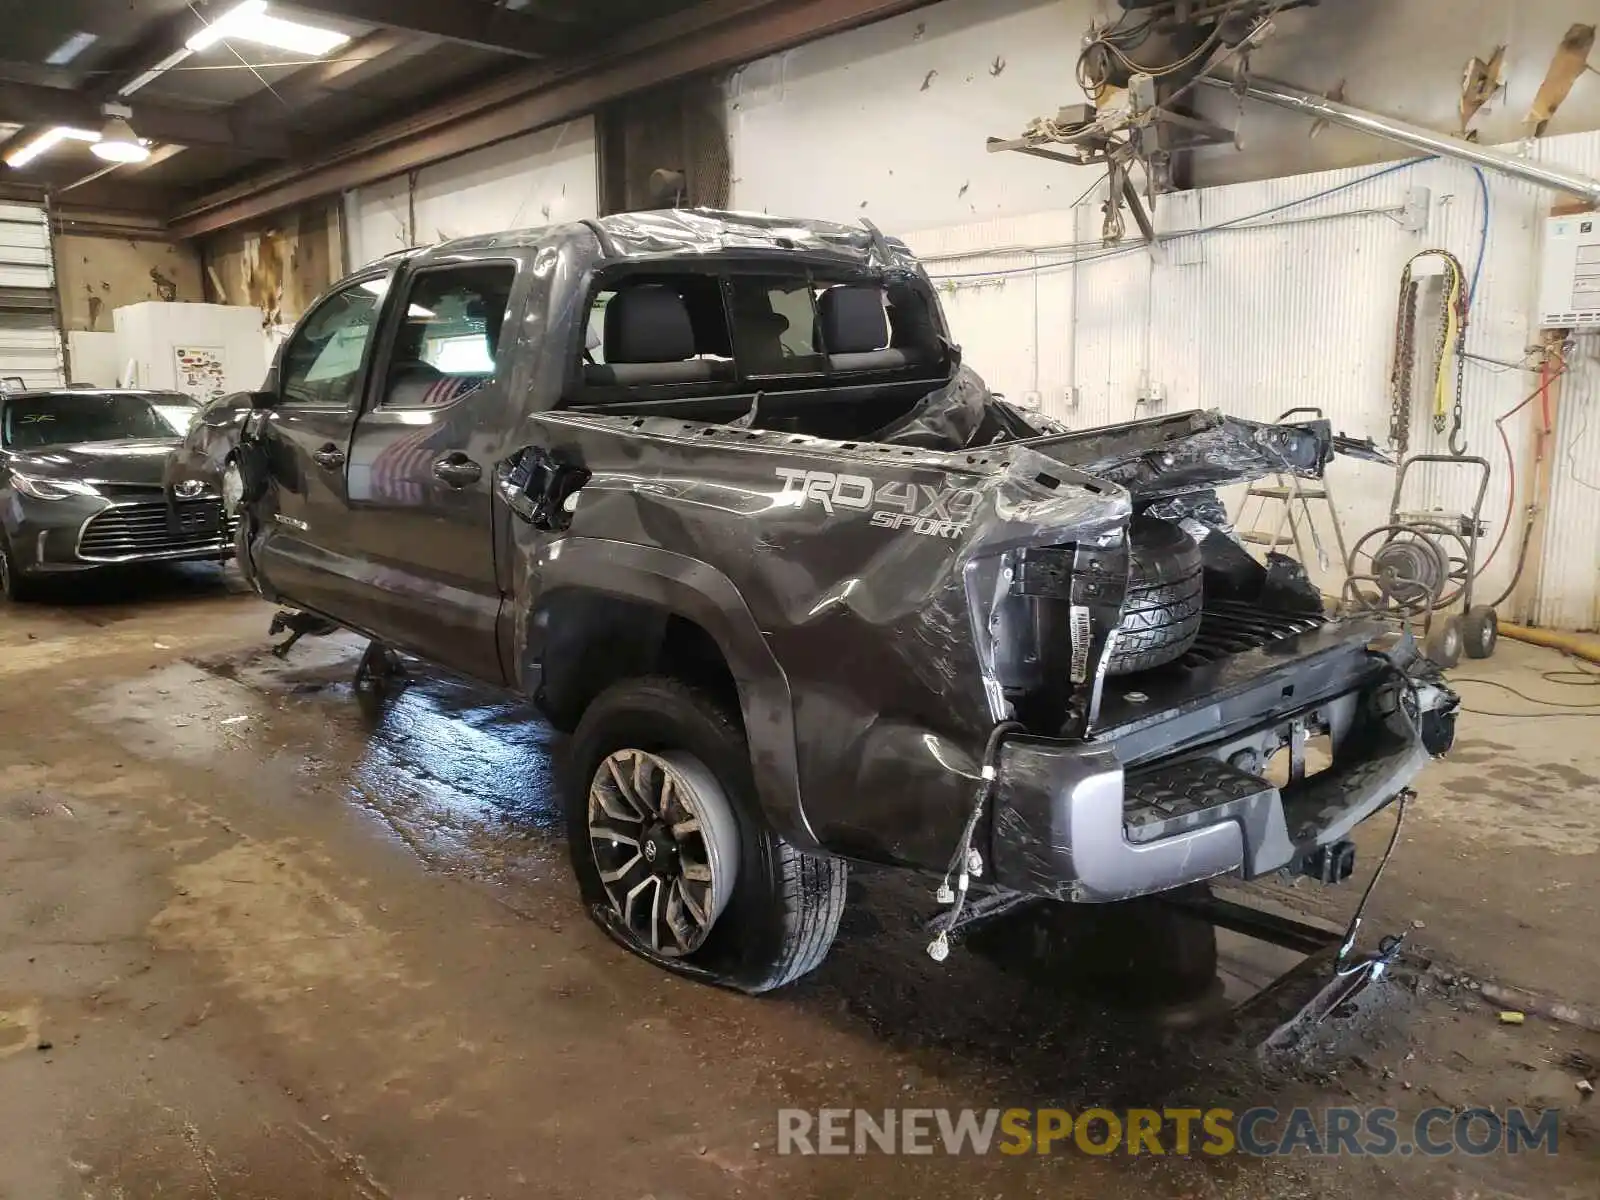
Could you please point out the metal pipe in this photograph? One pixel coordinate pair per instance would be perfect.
(1270, 91)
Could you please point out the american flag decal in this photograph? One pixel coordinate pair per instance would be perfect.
(402, 470)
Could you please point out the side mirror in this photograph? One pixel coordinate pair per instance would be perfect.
(263, 400)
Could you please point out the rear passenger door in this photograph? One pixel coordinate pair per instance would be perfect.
(422, 463)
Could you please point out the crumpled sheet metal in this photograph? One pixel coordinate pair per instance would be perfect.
(865, 576)
(676, 232)
(1194, 451)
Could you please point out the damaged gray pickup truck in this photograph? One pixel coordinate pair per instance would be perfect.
(718, 494)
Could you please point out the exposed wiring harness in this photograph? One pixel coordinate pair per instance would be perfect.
(966, 861)
(1389, 946)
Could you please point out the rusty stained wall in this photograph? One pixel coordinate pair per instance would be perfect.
(101, 274)
(278, 267)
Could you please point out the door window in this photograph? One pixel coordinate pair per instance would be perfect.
(322, 362)
(449, 338)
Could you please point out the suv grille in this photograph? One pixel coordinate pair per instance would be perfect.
(154, 530)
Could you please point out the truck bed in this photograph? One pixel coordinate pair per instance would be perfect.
(1223, 683)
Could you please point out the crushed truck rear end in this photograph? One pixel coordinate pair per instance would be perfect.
(905, 604)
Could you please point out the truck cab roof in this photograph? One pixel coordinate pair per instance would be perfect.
(674, 233)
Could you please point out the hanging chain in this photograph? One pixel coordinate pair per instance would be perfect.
(1451, 342)
(1405, 333)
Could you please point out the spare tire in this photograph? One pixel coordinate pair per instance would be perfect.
(1161, 616)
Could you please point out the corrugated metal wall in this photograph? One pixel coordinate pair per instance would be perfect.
(1569, 570)
(30, 328)
(1287, 299)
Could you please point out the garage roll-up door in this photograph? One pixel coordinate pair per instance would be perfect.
(30, 332)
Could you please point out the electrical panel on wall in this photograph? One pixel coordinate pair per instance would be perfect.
(1569, 274)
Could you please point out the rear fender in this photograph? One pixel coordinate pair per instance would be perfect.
(679, 585)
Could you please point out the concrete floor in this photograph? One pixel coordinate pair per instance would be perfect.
(255, 944)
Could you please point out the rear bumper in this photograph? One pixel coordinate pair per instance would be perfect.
(1074, 822)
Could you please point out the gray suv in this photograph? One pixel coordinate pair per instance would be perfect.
(718, 493)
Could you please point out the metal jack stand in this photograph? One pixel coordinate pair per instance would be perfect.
(298, 625)
(1304, 1013)
(379, 675)
(1295, 523)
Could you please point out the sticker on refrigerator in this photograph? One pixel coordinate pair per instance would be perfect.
(201, 372)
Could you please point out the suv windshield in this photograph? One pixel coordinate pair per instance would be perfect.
(59, 418)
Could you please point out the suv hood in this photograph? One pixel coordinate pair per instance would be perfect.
(140, 461)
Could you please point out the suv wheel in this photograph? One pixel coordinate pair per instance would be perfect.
(13, 585)
(672, 856)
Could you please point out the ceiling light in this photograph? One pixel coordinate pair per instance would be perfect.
(71, 48)
(119, 144)
(250, 22)
(47, 140)
(154, 73)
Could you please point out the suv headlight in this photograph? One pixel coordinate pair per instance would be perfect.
(50, 489)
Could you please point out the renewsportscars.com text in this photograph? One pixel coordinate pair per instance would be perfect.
(1259, 1132)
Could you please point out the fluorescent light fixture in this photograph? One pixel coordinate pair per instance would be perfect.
(250, 22)
(71, 48)
(119, 144)
(154, 73)
(48, 140)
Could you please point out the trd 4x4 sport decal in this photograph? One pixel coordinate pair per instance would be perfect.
(918, 507)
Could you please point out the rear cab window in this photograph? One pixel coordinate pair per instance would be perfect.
(711, 341)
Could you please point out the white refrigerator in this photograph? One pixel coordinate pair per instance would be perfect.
(202, 350)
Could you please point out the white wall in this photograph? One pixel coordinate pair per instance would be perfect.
(1296, 308)
(95, 358)
(538, 179)
(888, 122)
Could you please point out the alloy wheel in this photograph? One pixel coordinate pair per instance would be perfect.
(666, 843)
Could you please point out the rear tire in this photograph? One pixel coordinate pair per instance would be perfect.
(782, 910)
(1161, 615)
(1140, 952)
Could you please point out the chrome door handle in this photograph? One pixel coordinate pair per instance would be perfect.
(457, 470)
(330, 457)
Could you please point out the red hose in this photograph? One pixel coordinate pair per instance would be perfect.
(1542, 394)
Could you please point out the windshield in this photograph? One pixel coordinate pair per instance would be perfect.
(60, 418)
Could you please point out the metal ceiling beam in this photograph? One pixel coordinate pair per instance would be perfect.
(469, 22)
(27, 104)
(707, 37)
(375, 53)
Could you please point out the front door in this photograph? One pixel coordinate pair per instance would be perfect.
(307, 555)
(422, 463)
